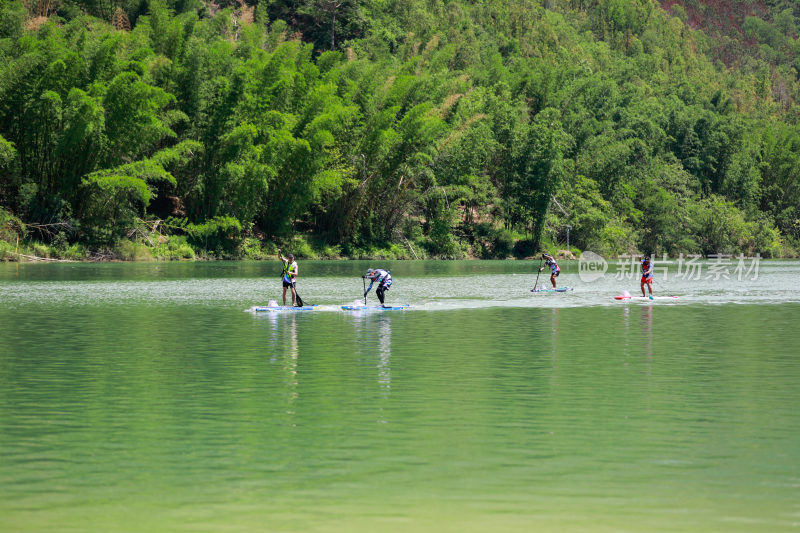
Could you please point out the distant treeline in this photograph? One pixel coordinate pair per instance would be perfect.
(396, 128)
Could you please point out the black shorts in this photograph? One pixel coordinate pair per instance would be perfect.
(556, 273)
(287, 284)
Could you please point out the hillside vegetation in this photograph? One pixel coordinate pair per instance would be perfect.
(397, 128)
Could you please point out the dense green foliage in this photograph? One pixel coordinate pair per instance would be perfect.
(396, 127)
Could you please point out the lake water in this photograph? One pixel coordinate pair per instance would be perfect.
(149, 397)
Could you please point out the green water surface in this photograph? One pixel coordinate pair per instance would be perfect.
(149, 397)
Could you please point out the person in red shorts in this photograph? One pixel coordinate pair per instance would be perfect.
(647, 275)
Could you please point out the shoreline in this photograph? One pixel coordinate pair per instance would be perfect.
(134, 252)
(30, 259)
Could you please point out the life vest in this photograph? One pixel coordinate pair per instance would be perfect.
(289, 271)
(646, 268)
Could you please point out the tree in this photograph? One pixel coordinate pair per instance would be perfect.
(541, 168)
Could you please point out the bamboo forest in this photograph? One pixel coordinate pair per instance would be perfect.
(179, 129)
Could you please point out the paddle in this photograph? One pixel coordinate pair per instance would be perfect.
(662, 288)
(297, 296)
(537, 274)
(365, 289)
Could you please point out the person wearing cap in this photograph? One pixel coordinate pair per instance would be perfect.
(384, 279)
(554, 269)
(288, 276)
(647, 275)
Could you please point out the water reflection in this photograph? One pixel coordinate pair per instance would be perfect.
(283, 347)
(645, 337)
(373, 334)
(554, 325)
(385, 353)
(647, 329)
(482, 404)
(289, 359)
